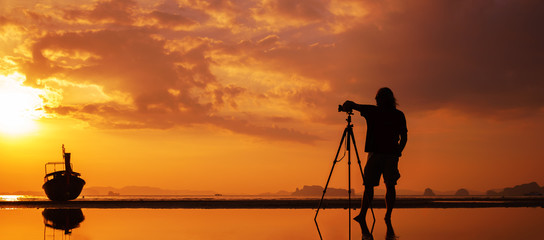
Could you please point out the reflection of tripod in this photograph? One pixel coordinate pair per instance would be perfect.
(349, 138)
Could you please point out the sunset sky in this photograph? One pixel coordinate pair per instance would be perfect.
(241, 96)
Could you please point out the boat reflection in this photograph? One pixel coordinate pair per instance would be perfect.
(61, 219)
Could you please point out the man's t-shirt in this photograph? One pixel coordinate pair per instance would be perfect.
(384, 127)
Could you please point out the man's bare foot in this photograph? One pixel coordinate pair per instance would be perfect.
(368, 237)
(364, 228)
(391, 237)
(390, 234)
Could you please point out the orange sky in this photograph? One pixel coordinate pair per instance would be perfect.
(241, 96)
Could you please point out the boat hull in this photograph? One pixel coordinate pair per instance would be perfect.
(63, 188)
(63, 219)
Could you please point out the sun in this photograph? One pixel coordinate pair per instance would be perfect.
(20, 105)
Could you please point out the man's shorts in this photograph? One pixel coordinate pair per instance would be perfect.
(378, 164)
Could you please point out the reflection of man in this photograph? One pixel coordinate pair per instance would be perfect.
(385, 139)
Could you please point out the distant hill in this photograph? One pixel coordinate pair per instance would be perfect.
(140, 190)
(428, 192)
(454, 192)
(316, 190)
(279, 193)
(462, 192)
(527, 189)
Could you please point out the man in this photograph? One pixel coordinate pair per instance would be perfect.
(385, 139)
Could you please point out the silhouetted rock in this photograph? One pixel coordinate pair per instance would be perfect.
(524, 189)
(428, 192)
(279, 193)
(141, 190)
(492, 193)
(282, 192)
(316, 190)
(111, 193)
(462, 192)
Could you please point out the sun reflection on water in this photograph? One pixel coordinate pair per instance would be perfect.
(11, 198)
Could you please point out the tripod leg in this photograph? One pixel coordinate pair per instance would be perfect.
(348, 143)
(328, 179)
(363, 176)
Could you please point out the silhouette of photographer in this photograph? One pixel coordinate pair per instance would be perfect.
(386, 137)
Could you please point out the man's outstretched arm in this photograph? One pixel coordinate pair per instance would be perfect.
(350, 105)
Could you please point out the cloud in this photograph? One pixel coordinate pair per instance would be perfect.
(181, 63)
(114, 11)
(480, 58)
(166, 87)
(300, 9)
(171, 20)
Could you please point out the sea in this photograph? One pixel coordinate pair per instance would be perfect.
(245, 224)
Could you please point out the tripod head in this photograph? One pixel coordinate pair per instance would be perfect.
(349, 112)
(341, 108)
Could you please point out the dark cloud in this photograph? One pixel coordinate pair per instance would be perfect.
(301, 9)
(228, 94)
(171, 20)
(4, 20)
(117, 11)
(480, 57)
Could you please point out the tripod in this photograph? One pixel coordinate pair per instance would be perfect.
(348, 138)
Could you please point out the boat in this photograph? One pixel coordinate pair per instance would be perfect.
(63, 184)
(62, 219)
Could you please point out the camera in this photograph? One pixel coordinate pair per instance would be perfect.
(342, 109)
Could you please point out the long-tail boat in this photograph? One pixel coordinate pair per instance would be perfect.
(63, 184)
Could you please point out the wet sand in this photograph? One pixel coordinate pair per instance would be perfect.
(403, 202)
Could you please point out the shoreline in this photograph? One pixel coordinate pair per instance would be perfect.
(330, 203)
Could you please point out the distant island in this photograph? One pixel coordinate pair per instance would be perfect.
(144, 190)
(316, 190)
(527, 189)
(428, 192)
(140, 190)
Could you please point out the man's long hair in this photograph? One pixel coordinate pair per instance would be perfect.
(386, 99)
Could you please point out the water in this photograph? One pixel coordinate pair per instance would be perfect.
(245, 224)
(159, 197)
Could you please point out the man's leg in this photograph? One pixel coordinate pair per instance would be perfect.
(390, 234)
(371, 178)
(390, 197)
(365, 204)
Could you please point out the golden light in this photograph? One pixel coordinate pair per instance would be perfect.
(19, 105)
(10, 198)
